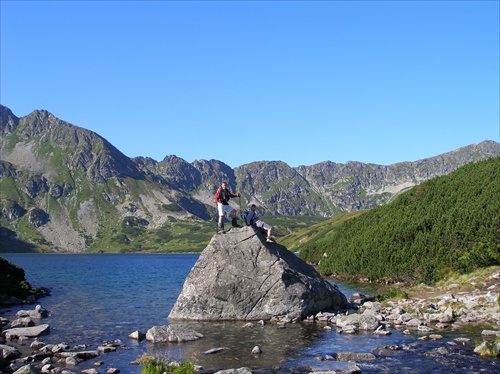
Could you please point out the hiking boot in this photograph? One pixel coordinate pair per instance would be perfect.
(269, 240)
(234, 222)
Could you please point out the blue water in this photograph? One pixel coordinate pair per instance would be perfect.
(100, 297)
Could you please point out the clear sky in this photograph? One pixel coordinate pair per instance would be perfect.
(241, 81)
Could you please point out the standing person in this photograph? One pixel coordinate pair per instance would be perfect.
(222, 197)
(253, 220)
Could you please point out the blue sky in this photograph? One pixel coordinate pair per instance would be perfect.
(301, 82)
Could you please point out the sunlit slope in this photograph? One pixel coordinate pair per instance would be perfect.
(447, 224)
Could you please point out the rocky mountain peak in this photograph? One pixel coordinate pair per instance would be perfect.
(89, 189)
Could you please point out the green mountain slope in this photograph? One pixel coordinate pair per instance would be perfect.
(447, 224)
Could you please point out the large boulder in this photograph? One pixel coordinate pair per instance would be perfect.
(239, 276)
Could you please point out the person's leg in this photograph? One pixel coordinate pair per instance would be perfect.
(220, 209)
(234, 220)
(269, 231)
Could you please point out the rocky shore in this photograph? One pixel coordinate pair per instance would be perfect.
(22, 349)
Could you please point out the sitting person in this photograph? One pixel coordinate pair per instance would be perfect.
(253, 220)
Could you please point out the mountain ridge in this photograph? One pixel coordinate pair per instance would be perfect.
(69, 188)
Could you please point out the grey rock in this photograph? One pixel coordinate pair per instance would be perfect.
(212, 351)
(243, 370)
(256, 350)
(30, 332)
(171, 333)
(239, 276)
(365, 321)
(22, 322)
(490, 333)
(339, 368)
(355, 356)
(27, 369)
(137, 335)
(9, 353)
(70, 361)
(89, 371)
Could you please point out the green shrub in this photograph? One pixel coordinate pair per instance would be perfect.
(447, 224)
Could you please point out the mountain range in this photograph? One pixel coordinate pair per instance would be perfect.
(66, 188)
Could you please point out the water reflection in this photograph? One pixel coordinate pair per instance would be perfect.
(276, 343)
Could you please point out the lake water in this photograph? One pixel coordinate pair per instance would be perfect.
(100, 297)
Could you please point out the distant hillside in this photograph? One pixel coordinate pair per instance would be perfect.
(447, 224)
(67, 189)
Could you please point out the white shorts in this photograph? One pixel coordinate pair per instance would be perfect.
(223, 209)
(262, 225)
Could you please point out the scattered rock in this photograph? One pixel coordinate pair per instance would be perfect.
(171, 333)
(30, 332)
(354, 356)
(256, 350)
(9, 353)
(243, 370)
(137, 335)
(27, 369)
(214, 350)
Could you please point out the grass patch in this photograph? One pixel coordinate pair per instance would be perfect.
(160, 365)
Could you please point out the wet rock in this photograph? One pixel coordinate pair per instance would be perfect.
(137, 335)
(243, 370)
(70, 361)
(38, 313)
(256, 350)
(47, 368)
(171, 333)
(36, 344)
(414, 322)
(27, 369)
(364, 321)
(89, 371)
(354, 356)
(492, 333)
(30, 332)
(214, 350)
(381, 330)
(339, 368)
(106, 349)
(435, 337)
(348, 329)
(22, 322)
(9, 353)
